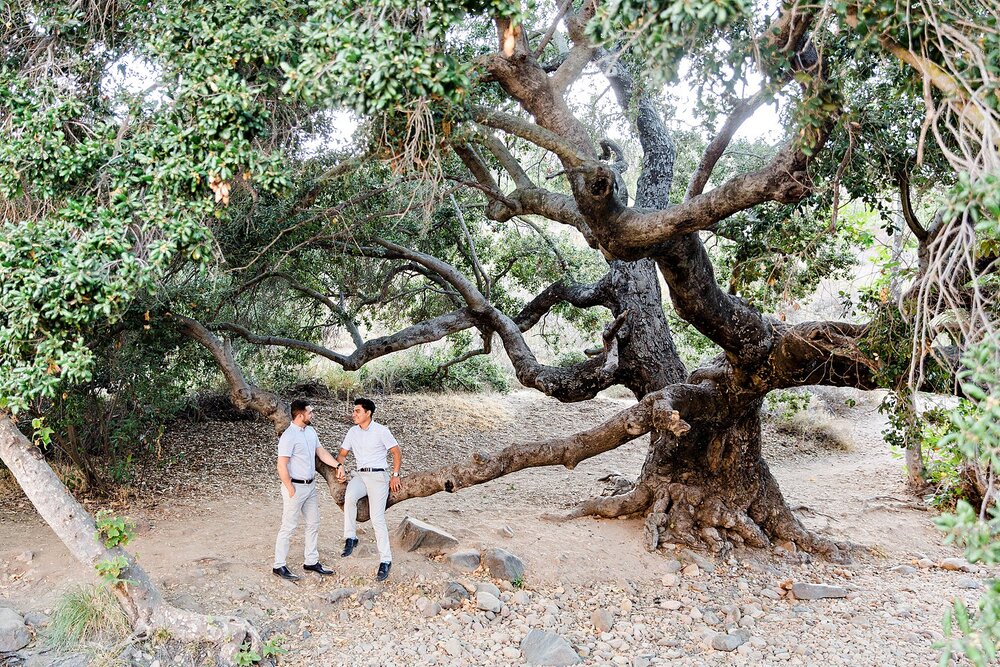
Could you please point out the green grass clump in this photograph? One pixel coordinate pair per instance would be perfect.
(87, 614)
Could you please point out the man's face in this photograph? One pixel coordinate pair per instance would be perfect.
(359, 415)
(307, 415)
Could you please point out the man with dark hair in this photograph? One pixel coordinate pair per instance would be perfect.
(371, 443)
(298, 448)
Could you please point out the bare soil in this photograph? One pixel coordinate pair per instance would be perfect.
(208, 509)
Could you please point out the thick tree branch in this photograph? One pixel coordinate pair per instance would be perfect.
(717, 146)
(536, 134)
(507, 161)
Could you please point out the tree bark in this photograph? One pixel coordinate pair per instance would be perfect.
(145, 608)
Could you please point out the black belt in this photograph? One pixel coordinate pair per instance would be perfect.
(371, 469)
(302, 481)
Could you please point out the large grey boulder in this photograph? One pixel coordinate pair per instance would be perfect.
(14, 633)
(502, 564)
(547, 648)
(414, 534)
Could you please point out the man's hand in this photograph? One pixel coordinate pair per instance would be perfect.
(341, 475)
(291, 490)
(395, 484)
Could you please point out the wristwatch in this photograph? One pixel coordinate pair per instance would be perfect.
(395, 474)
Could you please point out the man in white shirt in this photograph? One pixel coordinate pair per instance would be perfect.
(298, 448)
(371, 443)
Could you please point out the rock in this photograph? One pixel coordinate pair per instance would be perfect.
(602, 619)
(956, 565)
(672, 566)
(804, 591)
(465, 561)
(453, 647)
(925, 563)
(691, 570)
(431, 610)
(456, 591)
(728, 641)
(413, 535)
(14, 633)
(502, 564)
(967, 582)
(540, 647)
(521, 597)
(489, 588)
(510, 652)
(903, 569)
(506, 531)
(26, 556)
(36, 619)
(699, 560)
(487, 602)
(339, 594)
(669, 580)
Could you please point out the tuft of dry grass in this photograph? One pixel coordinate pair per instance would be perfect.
(459, 413)
(817, 426)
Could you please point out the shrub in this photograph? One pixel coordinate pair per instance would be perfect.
(423, 371)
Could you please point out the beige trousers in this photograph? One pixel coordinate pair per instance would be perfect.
(304, 503)
(375, 485)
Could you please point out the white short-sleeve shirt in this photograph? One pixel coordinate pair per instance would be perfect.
(299, 445)
(370, 446)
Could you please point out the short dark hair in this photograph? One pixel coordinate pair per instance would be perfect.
(298, 407)
(365, 403)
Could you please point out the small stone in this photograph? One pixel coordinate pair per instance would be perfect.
(13, 632)
(691, 570)
(413, 535)
(521, 597)
(925, 563)
(36, 619)
(903, 569)
(699, 560)
(489, 588)
(968, 582)
(487, 602)
(957, 565)
(431, 610)
(453, 647)
(506, 531)
(540, 647)
(339, 594)
(26, 556)
(770, 594)
(670, 605)
(602, 619)
(804, 591)
(669, 580)
(456, 591)
(465, 561)
(502, 564)
(672, 566)
(510, 652)
(728, 642)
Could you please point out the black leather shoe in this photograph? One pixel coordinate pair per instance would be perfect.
(317, 568)
(285, 573)
(383, 571)
(349, 545)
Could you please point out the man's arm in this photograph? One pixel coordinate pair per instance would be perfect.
(283, 475)
(395, 483)
(326, 457)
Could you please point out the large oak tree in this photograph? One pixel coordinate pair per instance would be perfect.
(172, 167)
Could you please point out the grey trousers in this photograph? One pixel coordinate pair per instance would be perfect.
(375, 485)
(304, 503)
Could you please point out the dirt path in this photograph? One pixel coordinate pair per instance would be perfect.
(208, 539)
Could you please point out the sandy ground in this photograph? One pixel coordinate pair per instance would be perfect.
(208, 512)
